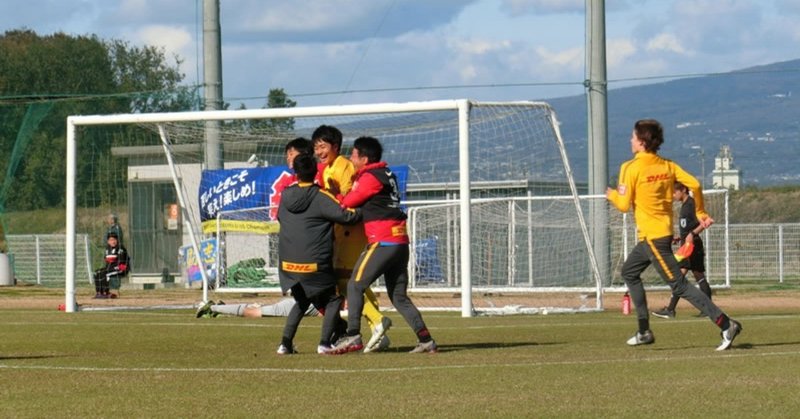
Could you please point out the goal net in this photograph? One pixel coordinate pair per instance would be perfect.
(495, 218)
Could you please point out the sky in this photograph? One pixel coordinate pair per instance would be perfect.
(330, 52)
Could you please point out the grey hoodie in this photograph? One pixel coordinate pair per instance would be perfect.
(306, 215)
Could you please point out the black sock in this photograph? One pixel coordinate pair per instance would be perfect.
(673, 302)
(644, 325)
(723, 321)
(424, 335)
(286, 342)
(703, 284)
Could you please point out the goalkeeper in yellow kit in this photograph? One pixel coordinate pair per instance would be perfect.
(335, 174)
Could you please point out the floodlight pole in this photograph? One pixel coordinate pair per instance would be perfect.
(212, 81)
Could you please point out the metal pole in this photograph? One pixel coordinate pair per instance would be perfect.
(597, 115)
(212, 80)
(88, 253)
(69, 260)
(185, 211)
(530, 241)
(780, 253)
(512, 232)
(38, 261)
(596, 94)
(464, 199)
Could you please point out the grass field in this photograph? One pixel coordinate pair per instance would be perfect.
(170, 364)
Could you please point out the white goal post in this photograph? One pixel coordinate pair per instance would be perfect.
(489, 153)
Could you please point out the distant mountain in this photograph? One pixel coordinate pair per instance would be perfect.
(756, 111)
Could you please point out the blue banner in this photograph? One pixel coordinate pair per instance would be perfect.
(252, 187)
(238, 189)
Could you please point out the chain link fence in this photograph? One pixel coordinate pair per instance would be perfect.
(759, 253)
(765, 252)
(40, 258)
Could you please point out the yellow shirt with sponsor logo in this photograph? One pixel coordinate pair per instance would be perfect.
(646, 183)
(350, 240)
(338, 177)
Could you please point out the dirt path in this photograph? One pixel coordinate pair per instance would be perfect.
(22, 297)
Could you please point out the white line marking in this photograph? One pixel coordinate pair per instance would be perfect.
(729, 355)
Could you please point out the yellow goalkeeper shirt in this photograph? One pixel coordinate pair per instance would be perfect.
(349, 240)
(646, 183)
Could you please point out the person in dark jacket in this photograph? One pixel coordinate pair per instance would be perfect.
(116, 266)
(305, 252)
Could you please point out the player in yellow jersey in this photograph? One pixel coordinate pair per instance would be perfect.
(335, 175)
(646, 183)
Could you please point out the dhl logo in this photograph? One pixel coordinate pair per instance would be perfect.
(302, 268)
(657, 178)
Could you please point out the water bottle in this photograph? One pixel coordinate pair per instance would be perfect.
(626, 304)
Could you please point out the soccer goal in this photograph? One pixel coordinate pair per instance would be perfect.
(494, 213)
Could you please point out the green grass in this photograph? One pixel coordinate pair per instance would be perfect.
(169, 364)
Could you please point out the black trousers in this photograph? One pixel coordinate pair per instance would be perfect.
(658, 252)
(327, 302)
(392, 262)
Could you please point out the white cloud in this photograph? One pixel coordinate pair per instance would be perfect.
(571, 58)
(133, 9)
(480, 47)
(618, 51)
(715, 26)
(174, 40)
(515, 7)
(320, 45)
(335, 20)
(314, 15)
(665, 42)
(468, 72)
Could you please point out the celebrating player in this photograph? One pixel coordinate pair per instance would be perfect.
(305, 252)
(376, 193)
(335, 175)
(646, 184)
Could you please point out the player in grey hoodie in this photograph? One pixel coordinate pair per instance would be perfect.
(305, 251)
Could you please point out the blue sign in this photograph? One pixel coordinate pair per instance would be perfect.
(252, 187)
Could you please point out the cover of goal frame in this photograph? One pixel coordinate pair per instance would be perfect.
(473, 148)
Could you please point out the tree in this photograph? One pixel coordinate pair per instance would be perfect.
(145, 72)
(277, 98)
(80, 75)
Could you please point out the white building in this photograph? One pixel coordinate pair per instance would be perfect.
(724, 174)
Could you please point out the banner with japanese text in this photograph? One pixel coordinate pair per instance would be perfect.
(235, 190)
(246, 188)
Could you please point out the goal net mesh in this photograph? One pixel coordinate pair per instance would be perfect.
(528, 247)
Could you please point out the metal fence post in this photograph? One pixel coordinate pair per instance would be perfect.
(780, 253)
(38, 261)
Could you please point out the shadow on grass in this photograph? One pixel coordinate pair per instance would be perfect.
(735, 346)
(11, 358)
(480, 345)
(763, 345)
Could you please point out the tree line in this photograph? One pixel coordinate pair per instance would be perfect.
(45, 78)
